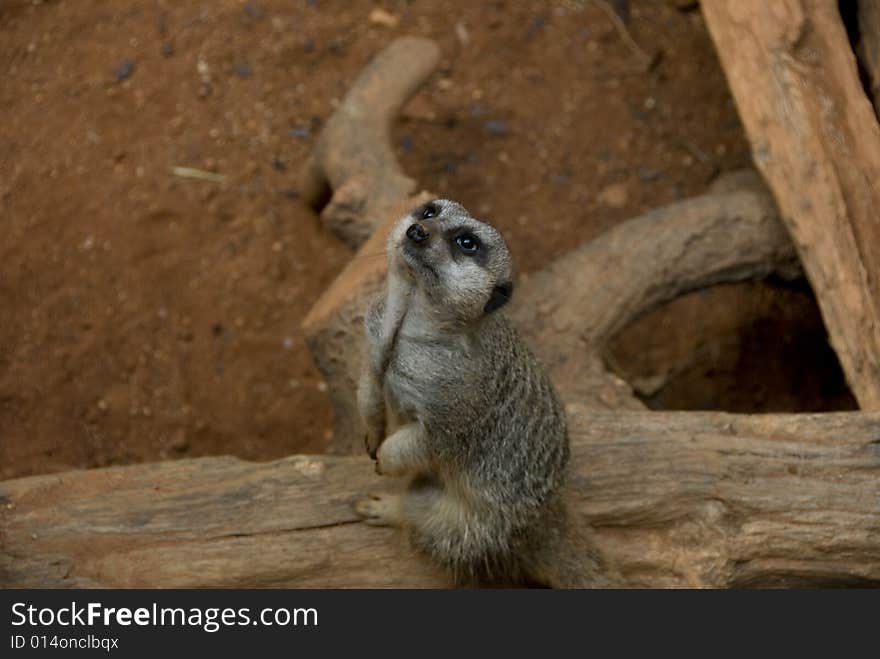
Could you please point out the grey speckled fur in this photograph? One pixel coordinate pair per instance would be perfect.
(455, 401)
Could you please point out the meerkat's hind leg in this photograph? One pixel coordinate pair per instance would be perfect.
(381, 509)
(404, 509)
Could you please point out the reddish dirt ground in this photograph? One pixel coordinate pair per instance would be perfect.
(148, 316)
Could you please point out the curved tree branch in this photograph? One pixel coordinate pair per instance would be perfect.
(570, 309)
(353, 164)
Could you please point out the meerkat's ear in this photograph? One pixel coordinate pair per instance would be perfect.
(500, 296)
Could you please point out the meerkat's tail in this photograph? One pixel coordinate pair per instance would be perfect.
(567, 556)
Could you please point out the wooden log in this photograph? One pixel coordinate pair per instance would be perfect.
(816, 140)
(568, 310)
(675, 500)
(353, 164)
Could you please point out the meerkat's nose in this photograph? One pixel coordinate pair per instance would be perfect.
(417, 233)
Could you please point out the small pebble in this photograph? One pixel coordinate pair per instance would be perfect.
(647, 174)
(124, 70)
(535, 26)
(242, 69)
(167, 49)
(179, 442)
(383, 18)
(562, 179)
(301, 133)
(497, 127)
(614, 195)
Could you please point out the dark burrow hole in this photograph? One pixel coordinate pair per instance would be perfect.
(750, 347)
(849, 14)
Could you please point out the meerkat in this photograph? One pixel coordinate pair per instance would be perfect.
(453, 399)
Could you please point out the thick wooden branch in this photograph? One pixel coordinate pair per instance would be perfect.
(816, 139)
(676, 499)
(353, 165)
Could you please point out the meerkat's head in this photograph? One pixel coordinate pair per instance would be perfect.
(462, 265)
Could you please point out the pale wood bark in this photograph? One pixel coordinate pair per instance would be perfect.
(675, 500)
(816, 140)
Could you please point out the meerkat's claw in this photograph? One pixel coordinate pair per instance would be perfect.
(370, 446)
(372, 441)
(379, 509)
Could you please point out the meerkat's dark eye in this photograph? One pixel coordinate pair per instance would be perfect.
(468, 243)
(429, 210)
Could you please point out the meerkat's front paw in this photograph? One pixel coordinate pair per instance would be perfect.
(379, 509)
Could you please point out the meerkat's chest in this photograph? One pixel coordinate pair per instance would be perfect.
(421, 373)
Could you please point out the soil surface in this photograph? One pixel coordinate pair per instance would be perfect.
(146, 315)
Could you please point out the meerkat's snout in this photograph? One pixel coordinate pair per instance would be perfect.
(417, 233)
